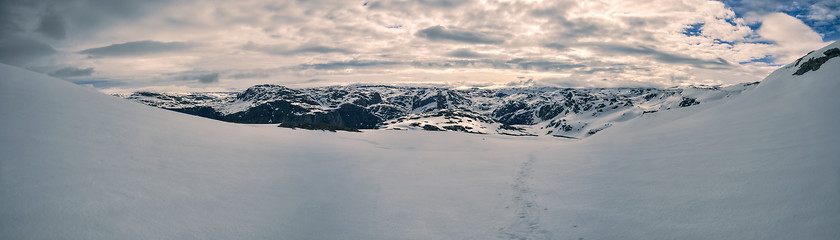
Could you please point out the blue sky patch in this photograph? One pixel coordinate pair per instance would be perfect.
(693, 29)
(796, 8)
(770, 60)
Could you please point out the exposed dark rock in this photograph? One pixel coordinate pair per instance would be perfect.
(270, 112)
(510, 114)
(317, 126)
(431, 128)
(458, 128)
(687, 101)
(509, 127)
(386, 112)
(549, 111)
(814, 64)
(201, 111)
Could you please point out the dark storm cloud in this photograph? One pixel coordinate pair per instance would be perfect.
(348, 64)
(540, 65)
(246, 75)
(57, 18)
(659, 56)
(602, 69)
(71, 72)
(414, 5)
(136, 49)
(574, 82)
(282, 50)
(484, 63)
(52, 25)
(441, 3)
(519, 63)
(24, 22)
(17, 50)
(209, 78)
(439, 33)
(556, 46)
(465, 53)
(319, 49)
(100, 83)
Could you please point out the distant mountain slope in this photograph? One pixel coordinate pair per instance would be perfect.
(518, 111)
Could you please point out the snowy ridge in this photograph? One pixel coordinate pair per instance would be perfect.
(566, 112)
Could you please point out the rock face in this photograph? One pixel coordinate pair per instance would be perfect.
(814, 63)
(564, 112)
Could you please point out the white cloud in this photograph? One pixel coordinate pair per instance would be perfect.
(791, 35)
(480, 42)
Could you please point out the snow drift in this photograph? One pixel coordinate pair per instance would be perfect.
(76, 164)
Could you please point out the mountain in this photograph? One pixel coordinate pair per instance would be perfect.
(78, 164)
(563, 112)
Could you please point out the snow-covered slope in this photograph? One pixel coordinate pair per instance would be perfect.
(75, 164)
(765, 165)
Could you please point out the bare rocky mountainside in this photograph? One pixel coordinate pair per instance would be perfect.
(561, 112)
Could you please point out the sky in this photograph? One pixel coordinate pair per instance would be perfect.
(203, 45)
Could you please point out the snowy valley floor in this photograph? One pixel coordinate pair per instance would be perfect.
(76, 164)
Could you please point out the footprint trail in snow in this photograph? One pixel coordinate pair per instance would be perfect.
(526, 225)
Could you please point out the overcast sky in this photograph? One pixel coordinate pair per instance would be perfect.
(191, 45)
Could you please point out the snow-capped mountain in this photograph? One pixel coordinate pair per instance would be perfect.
(562, 112)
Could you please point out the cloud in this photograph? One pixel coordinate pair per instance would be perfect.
(100, 83)
(52, 25)
(58, 19)
(556, 46)
(69, 72)
(663, 57)
(826, 12)
(821, 15)
(415, 5)
(791, 35)
(348, 64)
(137, 48)
(521, 83)
(250, 75)
(785, 29)
(439, 33)
(283, 50)
(519, 63)
(571, 82)
(437, 41)
(209, 78)
(18, 51)
(543, 65)
(465, 53)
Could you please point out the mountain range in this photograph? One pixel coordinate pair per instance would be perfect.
(561, 112)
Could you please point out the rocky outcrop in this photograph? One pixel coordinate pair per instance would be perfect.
(814, 64)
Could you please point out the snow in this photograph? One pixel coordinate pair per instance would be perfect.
(573, 113)
(77, 164)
